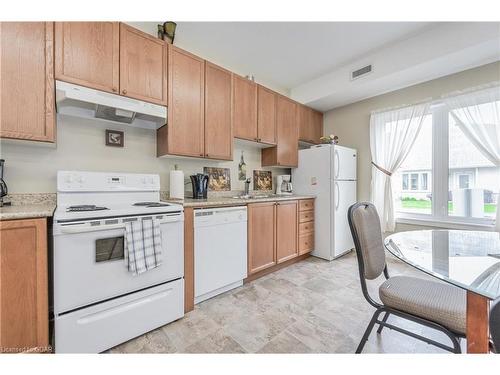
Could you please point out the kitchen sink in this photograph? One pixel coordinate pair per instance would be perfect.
(259, 196)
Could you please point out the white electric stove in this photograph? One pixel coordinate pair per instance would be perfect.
(98, 303)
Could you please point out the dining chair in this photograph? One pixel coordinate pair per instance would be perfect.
(430, 303)
(495, 325)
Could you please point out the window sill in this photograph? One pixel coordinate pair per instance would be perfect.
(445, 224)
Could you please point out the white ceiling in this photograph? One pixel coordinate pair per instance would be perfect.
(290, 53)
(312, 61)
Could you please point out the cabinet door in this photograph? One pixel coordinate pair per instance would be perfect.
(304, 122)
(286, 230)
(266, 118)
(287, 131)
(87, 54)
(184, 133)
(261, 236)
(27, 81)
(316, 126)
(143, 66)
(218, 114)
(23, 284)
(244, 108)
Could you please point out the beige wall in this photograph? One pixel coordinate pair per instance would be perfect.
(31, 167)
(351, 122)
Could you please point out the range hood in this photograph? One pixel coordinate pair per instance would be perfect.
(79, 101)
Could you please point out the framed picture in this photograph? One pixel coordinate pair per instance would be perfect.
(114, 138)
(262, 180)
(219, 179)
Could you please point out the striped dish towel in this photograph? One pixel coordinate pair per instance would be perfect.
(142, 245)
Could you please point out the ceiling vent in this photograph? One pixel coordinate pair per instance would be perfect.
(361, 72)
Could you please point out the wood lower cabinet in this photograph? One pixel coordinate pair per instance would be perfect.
(143, 66)
(286, 230)
(184, 134)
(23, 285)
(88, 54)
(266, 115)
(285, 154)
(218, 112)
(261, 236)
(306, 226)
(27, 106)
(245, 108)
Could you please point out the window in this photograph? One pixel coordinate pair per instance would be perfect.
(423, 181)
(405, 181)
(445, 178)
(414, 196)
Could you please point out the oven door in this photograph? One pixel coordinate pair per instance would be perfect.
(89, 265)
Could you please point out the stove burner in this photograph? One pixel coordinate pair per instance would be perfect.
(151, 204)
(86, 207)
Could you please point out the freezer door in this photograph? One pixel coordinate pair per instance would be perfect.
(344, 163)
(344, 193)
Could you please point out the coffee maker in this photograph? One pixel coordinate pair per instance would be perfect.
(284, 184)
(200, 185)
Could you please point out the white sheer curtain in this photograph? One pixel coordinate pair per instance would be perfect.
(477, 114)
(392, 134)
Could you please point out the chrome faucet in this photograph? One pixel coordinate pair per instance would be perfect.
(247, 186)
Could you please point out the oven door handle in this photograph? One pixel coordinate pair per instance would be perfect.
(74, 229)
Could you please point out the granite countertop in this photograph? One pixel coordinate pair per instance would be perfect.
(26, 206)
(230, 201)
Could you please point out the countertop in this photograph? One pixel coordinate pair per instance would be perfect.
(29, 205)
(26, 211)
(230, 201)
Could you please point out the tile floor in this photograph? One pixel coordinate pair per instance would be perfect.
(313, 306)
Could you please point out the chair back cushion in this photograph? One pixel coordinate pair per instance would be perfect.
(367, 235)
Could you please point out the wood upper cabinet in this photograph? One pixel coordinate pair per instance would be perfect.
(286, 230)
(285, 154)
(24, 307)
(87, 54)
(245, 108)
(143, 66)
(184, 133)
(261, 236)
(310, 123)
(218, 112)
(27, 81)
(316, 126)
(266, 115)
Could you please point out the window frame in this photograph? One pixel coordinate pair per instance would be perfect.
(439, 216)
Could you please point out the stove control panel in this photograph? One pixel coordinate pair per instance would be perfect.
(74, 181)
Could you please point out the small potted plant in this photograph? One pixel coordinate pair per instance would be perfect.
(330, 139)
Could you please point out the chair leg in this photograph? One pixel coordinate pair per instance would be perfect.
(368, 330)
(384, 319)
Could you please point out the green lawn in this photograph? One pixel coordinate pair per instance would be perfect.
(423, 204)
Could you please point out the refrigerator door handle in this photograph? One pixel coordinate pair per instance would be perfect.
(337, 196)
(337, 167)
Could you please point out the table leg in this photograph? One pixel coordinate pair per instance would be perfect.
(477, 323)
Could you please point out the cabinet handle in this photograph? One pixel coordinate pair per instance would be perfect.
(124, 92)
(201, 154)
(114, 89)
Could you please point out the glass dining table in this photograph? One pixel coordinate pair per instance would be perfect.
(467, 259)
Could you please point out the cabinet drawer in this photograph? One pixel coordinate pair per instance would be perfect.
(306, 216)
(306, 243)
(306, 227)
(306, 204)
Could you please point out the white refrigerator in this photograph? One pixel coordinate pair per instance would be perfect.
(329, 173)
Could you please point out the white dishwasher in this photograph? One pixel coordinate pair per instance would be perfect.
(220, 250)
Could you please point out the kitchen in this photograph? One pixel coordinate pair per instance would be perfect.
(235, 189)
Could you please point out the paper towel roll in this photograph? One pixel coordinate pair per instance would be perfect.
(177, 184)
